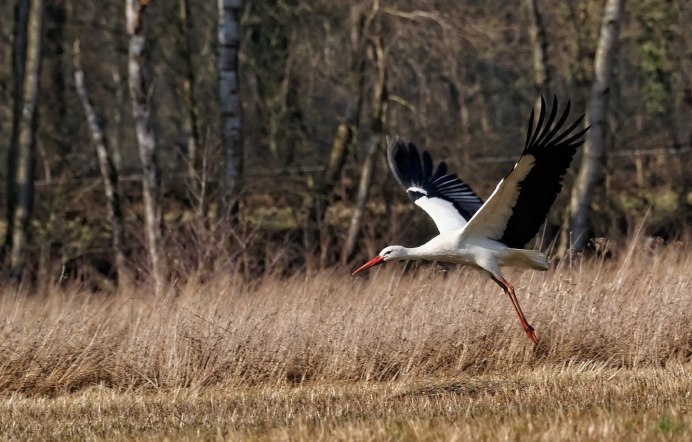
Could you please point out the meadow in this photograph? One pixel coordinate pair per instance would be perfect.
(406, 352)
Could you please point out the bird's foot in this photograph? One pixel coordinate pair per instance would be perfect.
(531, 334)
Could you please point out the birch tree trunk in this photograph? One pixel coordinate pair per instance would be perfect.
(23, 186)
(190, 120)
(229, 100)
(117, 126)
(539, 43)
(146, 139)
(591, 170)
(377, 139)
(108, 170)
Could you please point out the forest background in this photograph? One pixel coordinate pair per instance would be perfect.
(251, 136)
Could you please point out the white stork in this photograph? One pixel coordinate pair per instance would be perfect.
(488, 235)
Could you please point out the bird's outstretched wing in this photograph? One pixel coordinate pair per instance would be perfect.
(449, 201)
(518, 206)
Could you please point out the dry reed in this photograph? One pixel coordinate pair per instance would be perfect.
(396, 324)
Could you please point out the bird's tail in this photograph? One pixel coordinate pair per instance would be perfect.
(530, 259)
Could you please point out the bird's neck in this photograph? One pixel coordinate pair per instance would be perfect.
(438, 248)
(425, 251)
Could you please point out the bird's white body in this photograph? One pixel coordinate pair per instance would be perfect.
(490, 235)
(479, 252)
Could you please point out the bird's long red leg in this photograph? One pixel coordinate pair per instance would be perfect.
(507, 287)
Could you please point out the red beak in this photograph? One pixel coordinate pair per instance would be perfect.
(373, 262)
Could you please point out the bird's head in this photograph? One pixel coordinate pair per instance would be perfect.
(389, 253)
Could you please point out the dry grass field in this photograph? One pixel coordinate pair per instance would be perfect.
(403, 353)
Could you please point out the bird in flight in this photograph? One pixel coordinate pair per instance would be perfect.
(490, 235)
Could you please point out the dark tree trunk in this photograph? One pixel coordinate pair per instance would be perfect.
(23, 183)
(56, 124)
(21, 13)
(229, 100)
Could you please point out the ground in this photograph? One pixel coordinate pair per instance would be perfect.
(579, 402)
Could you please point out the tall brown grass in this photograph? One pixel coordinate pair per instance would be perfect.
(400, 322)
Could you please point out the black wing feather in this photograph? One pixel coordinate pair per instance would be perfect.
(553, 152)
(413, 169)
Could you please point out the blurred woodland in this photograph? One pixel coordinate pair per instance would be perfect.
(176, 139)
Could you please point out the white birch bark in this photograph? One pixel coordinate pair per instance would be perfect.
(591, 170)
(146, 139)
(190, 120)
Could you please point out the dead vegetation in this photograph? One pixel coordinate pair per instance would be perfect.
(403, 353)
(576, 402)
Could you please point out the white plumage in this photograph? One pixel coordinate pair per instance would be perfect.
(445, 216)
